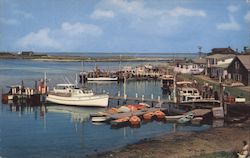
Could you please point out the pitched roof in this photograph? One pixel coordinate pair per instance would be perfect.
(223, 51)
(220, 56)
(245, 60)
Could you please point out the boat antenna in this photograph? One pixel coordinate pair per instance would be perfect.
(66, 79)
(76, 83)
(120, 63)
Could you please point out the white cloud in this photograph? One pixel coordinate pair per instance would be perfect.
(233, 8)
(247, 17)
(78, 29)
(9, 21)
(68, 36)
(179, 11)
(231, 25)
(99, 14)
(23, 14)
(146, 19)
(40, 39)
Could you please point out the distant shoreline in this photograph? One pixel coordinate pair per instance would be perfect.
(50, 58)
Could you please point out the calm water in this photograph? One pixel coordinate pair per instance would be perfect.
(61, 131)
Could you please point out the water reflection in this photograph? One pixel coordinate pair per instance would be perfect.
(78, 114)
(65, 131)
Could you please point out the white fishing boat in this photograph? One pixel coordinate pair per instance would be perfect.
(69, 94)
(102, 78)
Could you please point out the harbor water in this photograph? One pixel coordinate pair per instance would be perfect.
(65, 131)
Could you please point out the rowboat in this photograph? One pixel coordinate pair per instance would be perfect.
(148, 116)
(196, 120)
(120, 122)
(99, 118)
(159, 114)
(134, 120)
(174, 118)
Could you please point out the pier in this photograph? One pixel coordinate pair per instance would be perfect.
(135, 113)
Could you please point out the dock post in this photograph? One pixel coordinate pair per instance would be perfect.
(136, 95)
(125, 96)
(152, 96)
(119, 94)
(225, 109)
(142, 97)
(159, 98)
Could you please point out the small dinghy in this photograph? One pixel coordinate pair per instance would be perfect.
(159, 114)
(148, 115)
(134, 120)
(174, 118)
(186, 118)
(99, 118)
(120, 122)
(196, 120)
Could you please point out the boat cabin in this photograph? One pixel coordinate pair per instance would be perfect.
(188, 94)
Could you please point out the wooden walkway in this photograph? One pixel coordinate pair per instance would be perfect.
(200, 112)
(135, 113)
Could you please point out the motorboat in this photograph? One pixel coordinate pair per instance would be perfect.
(102, 78)
(69, 94)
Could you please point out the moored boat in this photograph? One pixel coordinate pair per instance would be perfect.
(188, 117)
(196, 120)
(148, 116)
(99, 118)
(159, 114)
(69, 94)
(134, 120)
(102, 78)
(120, 122)
(174, 118)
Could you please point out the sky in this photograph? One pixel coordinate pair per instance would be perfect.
(178, 26)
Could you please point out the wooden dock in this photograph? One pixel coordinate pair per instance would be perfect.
(135, 113)
(200, 112)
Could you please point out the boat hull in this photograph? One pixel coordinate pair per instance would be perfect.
(90, 101)
(102, 79)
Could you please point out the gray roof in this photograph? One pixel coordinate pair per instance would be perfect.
(220, 56)
(199, 60)
(245, 60)
(223, 66)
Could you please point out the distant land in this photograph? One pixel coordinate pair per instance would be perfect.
(95, 56)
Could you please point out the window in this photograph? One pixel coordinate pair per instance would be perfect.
(237, 65)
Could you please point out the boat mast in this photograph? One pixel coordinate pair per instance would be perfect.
(76, 83)
(45, 82)
(82, 74)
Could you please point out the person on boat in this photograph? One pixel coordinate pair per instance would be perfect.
(244, 153)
